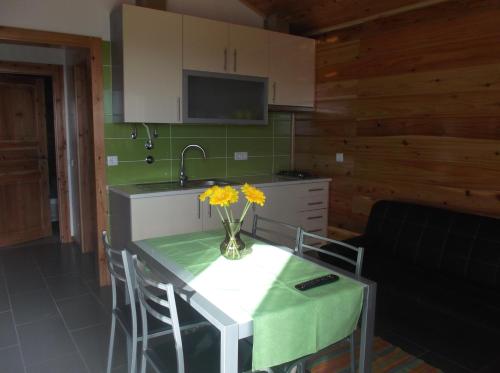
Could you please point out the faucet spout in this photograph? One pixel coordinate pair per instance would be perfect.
(182, 174)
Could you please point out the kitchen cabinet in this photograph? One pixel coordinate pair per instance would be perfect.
(147, 65)
(224, 48)
(205, 45)
(249, 51)
(291, 70)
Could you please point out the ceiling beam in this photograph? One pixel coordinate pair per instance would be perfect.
(388, 13)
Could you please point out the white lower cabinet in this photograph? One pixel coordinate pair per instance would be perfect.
(137, 218)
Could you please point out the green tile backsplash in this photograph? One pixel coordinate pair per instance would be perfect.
(268, 147)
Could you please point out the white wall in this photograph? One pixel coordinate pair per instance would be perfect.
(233, 11)
(82, 17)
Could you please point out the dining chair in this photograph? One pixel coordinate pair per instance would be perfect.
(183, 351)
(349, 255)
(289, 232)
(126, 314)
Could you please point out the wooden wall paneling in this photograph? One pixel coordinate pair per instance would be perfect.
(413, 102)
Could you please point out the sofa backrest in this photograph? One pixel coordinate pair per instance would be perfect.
(457, 244)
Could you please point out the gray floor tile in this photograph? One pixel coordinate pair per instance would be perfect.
(7, 330)
(24, 281)
(45, 340)
(93, 344)
(19, 260)
(82, 311)
(66, 286)
(11, 361)
(32, 306)
(4, 299)
(104, 295)
(67, 364)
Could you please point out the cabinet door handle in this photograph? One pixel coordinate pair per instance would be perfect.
(314, 203)
(315, 217)
(274, 92)
(199, 209)
(225, 59)
(316, 190)
(179, 109)
(209, 210)
(235, 60)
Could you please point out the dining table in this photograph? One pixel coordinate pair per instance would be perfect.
(256, 297)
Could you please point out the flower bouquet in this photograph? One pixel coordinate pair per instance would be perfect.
(222, 198)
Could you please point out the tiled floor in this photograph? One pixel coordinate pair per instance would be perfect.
(53, 316)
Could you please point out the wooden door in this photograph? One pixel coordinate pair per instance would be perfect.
(24, 184)
(205, 45)
(249, 51)
(86, 175)
(291, 70)
(152, 65)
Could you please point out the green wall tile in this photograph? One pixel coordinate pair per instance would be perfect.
(198, 130)
(252, 166)
(106, 53)
(106, 75)
(213, 147)
(281, 163)
(254, 147)
(282, 146)
(283, 128)
(250, 131)
(108, 102)
(201, 168)
(134, 150)
(138, 172)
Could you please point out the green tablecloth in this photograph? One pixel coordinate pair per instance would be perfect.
(288, 324)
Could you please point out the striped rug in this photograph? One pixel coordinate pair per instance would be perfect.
(387, 359)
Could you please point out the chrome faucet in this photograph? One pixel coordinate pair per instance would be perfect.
(182, 175)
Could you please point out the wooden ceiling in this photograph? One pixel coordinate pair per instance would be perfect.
(306, 16)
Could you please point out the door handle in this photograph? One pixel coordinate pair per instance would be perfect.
(178, 109)
(225, 59)
(209, 210)
(274, 92)
(199, 209)
(235, 60)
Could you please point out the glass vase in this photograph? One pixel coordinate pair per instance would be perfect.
(233, 248)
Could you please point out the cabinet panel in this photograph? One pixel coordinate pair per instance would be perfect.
(291, 70)
(205, 45)
(162, 216)
(249, 51)
(152, 65)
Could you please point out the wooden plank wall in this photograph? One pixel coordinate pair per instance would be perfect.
(413, 102)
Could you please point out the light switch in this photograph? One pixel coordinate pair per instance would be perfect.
(240, 156)
(112, 160)
(339, 157)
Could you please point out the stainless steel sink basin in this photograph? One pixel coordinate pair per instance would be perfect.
(190, 184)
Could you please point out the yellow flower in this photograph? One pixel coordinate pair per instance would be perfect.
(253, 195)
(223, 196)
(206, 194)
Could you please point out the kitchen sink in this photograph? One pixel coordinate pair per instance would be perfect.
(190, 184)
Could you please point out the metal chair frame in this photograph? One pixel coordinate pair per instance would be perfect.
(255, 228)
(357, 264)
(118, 263)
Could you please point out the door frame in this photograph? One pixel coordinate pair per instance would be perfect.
(55, 72)
(93, 46)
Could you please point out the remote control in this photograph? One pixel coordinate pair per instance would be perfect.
(315, 282)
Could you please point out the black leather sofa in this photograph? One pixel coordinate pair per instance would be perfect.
(438, 275)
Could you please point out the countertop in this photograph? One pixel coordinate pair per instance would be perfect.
(172, 188)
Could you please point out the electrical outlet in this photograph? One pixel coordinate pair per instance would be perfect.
(240, 156)
(339, 157)
(112, 160)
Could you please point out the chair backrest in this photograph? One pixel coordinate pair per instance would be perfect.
(276, 231)
(151, 297)
(119, 272)
(342, 251)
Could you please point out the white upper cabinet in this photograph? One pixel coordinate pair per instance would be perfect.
(205, 45)
(152, 65)
(249, 51)
(291, 70)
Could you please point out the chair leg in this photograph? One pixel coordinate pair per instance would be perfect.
(143, 361)
(133, 352)
(352, 343)
(111, 343)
